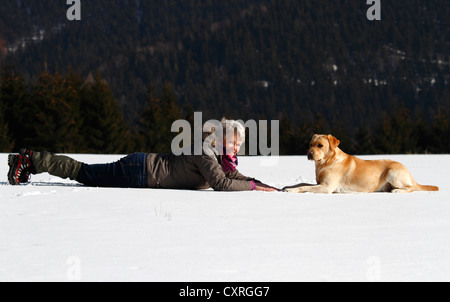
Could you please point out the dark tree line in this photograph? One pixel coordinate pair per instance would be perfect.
(60, 113)
(396, 133)
(66, 113)
(248, 58)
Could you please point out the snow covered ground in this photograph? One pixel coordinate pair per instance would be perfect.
(57, 230)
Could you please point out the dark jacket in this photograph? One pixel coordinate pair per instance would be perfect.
(193, 172)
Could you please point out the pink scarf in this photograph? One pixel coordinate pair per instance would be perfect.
(229, 163)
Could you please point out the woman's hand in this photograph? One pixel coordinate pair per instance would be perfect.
(265, 188)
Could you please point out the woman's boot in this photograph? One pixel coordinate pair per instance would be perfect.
(20, 166)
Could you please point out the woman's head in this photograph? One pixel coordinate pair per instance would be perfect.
(233, 136)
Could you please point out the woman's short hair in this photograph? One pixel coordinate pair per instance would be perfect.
(232, 126)
(228, 126)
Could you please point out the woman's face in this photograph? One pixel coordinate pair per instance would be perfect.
(232, 144)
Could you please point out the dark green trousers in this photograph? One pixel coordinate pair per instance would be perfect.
(57, 165)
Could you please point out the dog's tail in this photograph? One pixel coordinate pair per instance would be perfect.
(426, 188)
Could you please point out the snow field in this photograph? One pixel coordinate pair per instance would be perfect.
(57, 230)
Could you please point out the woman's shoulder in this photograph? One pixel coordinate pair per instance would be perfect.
(205, 159)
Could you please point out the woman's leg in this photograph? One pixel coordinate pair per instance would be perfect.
(32, 162)
(128, 172)
(57, 165)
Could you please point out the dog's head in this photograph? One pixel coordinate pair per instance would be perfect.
(322, 147)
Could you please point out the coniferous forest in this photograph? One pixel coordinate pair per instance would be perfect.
(116, 80)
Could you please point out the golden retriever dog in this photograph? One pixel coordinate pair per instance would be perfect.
(338, 172)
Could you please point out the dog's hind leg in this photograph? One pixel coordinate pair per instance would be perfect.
(400, 179)
(403, 190)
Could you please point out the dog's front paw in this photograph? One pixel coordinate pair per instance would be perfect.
(291, 190)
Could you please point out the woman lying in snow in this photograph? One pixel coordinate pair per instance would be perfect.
(149, 170)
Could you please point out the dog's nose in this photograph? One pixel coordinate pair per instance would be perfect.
(310, 155)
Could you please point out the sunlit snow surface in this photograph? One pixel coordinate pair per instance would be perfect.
(58, 230)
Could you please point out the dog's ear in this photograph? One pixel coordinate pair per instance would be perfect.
(334, 142)
(314, 137)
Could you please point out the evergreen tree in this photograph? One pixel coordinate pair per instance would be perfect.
(303, 135)
(295, 139)
(423, 132)
(287, 136)
(396, 134)
(320, 126)
(6, 143)
(14, 100)
(157, 118)
(441, 133)
(104, 129)
(363, 143)
(56, 120)
(342, 134)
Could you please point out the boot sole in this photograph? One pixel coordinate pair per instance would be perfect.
(11, 163)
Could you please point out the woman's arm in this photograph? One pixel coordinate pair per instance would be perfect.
(214, 175)
(212, 171)
(259, 186)
(238, 176)
(265, 188)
